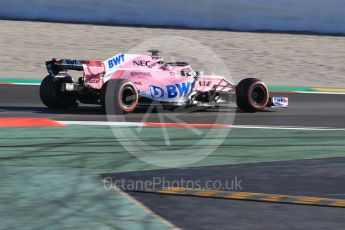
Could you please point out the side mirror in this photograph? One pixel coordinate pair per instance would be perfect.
(198, 74)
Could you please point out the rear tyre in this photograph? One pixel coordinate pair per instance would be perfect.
(51, 95)
(252, 95)
(121, 97)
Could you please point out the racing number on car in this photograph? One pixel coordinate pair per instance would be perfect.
(205, 83)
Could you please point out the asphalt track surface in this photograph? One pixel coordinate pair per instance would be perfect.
(319, 177)
(307, 110)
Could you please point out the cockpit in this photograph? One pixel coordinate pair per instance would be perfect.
(178, 67)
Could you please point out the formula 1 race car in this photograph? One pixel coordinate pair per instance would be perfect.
(126, 81)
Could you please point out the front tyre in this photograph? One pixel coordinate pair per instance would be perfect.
(121, 97)
(252, 95)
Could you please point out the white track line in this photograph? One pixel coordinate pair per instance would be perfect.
(103, 123)
(141, 124)
(316, 92)
(289, 128)
(18, 83)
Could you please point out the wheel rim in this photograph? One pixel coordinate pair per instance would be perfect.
(258, 95)
(128, 98)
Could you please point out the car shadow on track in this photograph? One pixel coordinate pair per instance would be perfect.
(37, 109)
(94, 112)
(98, 110)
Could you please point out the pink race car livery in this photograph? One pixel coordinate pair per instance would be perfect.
(126, 81)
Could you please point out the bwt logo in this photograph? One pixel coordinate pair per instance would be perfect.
(280, 99)
(171, 91)
(116, 60)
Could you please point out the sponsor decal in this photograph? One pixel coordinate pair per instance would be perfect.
(156, 57)
(141, 74)
(137, 83)
(280, 101)
(171, 91)
(116, 60)
(156, 91)
(141, 63)
(70, 62)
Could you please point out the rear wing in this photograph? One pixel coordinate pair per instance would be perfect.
(56, 66)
